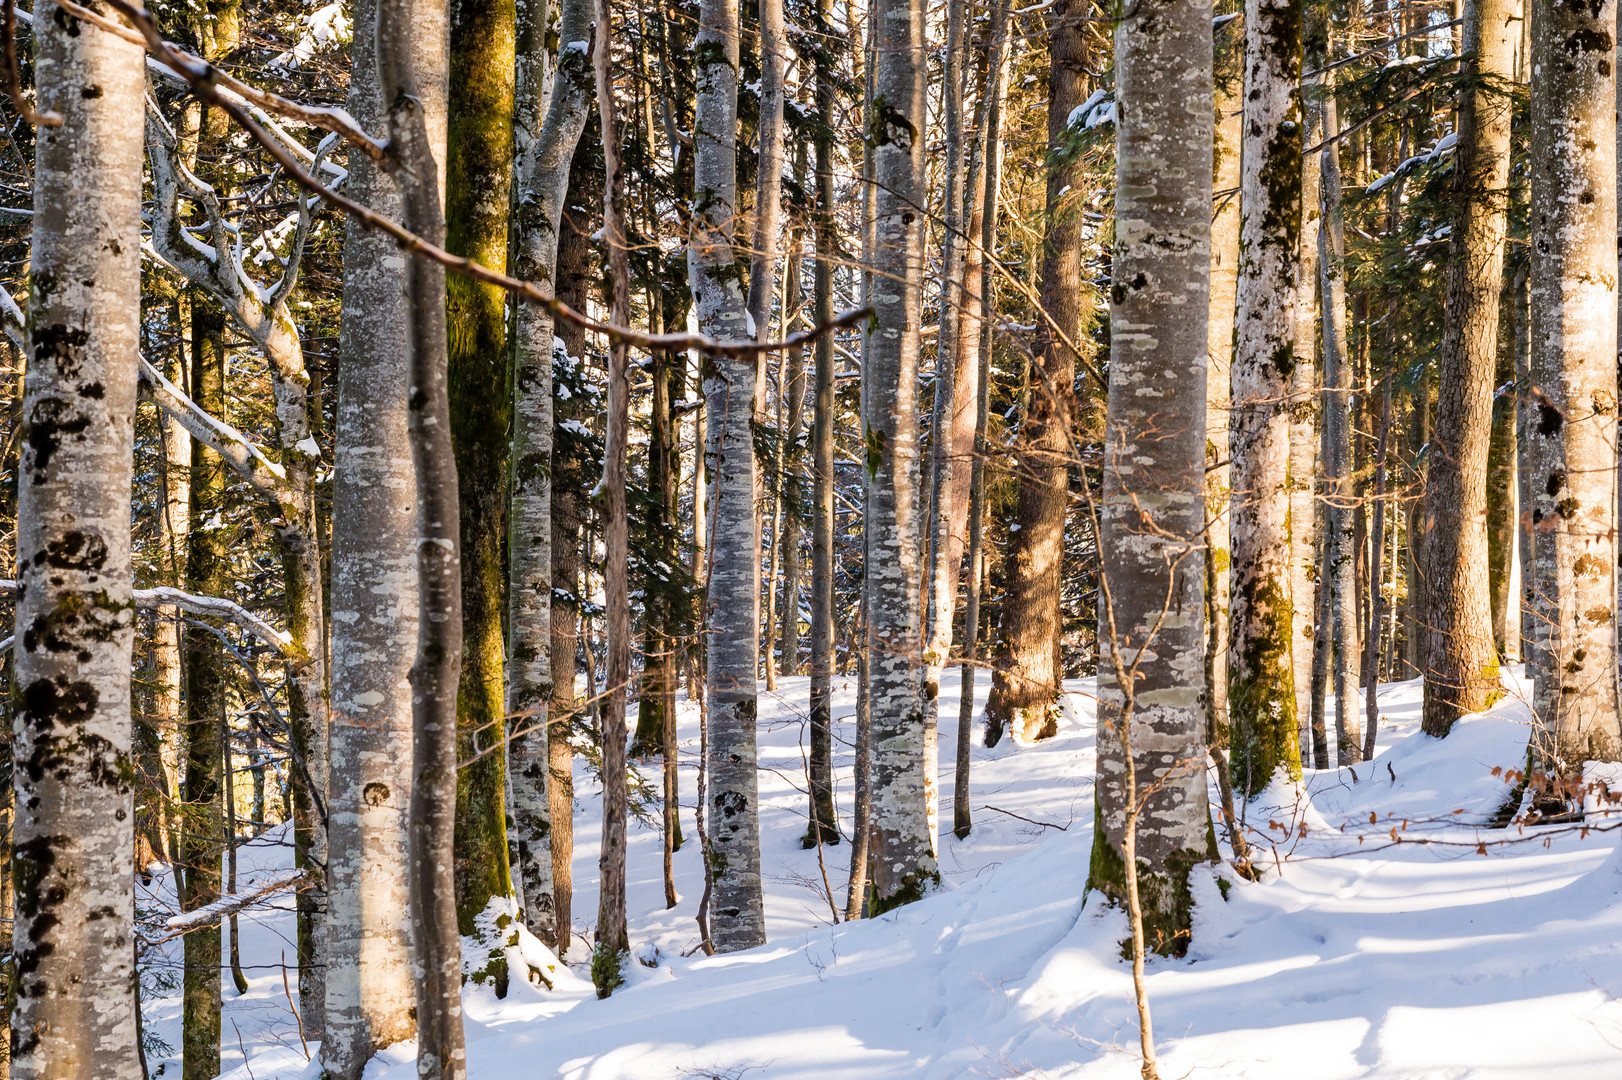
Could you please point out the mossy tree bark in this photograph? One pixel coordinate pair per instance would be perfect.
(1261, 687)
(1151, 747)
(75, 1013)
(478, 171)
(1571, 438)
(904, 864)
(1459, 658)
(371, 1000)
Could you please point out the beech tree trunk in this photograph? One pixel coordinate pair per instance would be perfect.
(75, 1012)
(825, 821)
(1571, 437)
(436, 943)
(1152, 813)
(1261, 687)
(1340, 495)
(545, 183)
(477, 198)
(1459, 659)
(370, 997)
(1228, 84)
(732, 609)
(904, 865)
(1025, 686)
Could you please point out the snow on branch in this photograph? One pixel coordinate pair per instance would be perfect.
(217, 912)
(267, 477)
(204, 83)
(214, 606)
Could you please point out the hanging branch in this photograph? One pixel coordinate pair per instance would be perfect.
(206, 88)
(193, 604)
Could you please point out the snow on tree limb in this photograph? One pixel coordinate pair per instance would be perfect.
(217, 912)
(191, 603)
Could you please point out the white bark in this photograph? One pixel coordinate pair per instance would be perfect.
(75, 1012)
(1571, 435)
(544, 175)
(904, 865)
(370, 996)
(732, 608)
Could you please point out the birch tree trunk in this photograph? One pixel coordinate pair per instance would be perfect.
(732, 608)
(477, 199)
(169, 637)
(370, 997)
(436, 943)
(1340, 549)
(545, 183)
(1261, 689)
(1151, 746)
(1459, 659)
(75, 1013)
(1571, 444)
(1025, 686)
(904, 865)
(823, 415)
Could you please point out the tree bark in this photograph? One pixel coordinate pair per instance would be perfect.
(1340, 495)
(1459, 660)
(1228, 83)
(1570, 450)
(1152, 812)
(823, 417)
(436, 943)
(904, 865)
(732, 609)
(1261, 688)
(75, 1013)
(370, 997)
(613, 940)
(545, 183)
(477, 198)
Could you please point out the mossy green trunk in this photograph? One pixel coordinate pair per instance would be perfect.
(478, 180)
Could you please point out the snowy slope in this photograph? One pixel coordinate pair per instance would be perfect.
(1354, 957)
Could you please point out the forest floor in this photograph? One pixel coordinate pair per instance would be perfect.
(1355, 955)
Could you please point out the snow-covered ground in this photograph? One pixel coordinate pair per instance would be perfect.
(1355, 956)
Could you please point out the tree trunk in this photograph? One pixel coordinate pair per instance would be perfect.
(1340, 551)
(1459, 659)
(1227, 80)
(613, 941)
(169, 636)
(545, 183)
(824, 820)
(436, 944)
(904, 865)
(1306, 404)
(1261, 688)
(75, 1011)
(370, 997)
(477, 196)
(1152, 810)
(731, 618)
(206, 678)
(1570, 450)
(1025, 686)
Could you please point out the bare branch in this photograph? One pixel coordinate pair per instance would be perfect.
(214, 606)
(268, 478)
(217, 912)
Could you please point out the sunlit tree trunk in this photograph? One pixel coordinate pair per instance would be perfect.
(1571, 436)
(904, 864)
(1151, 745)
(371, 1000)
(75, 1013)
(1261, 688)
(731, 617)
(1459, 660)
